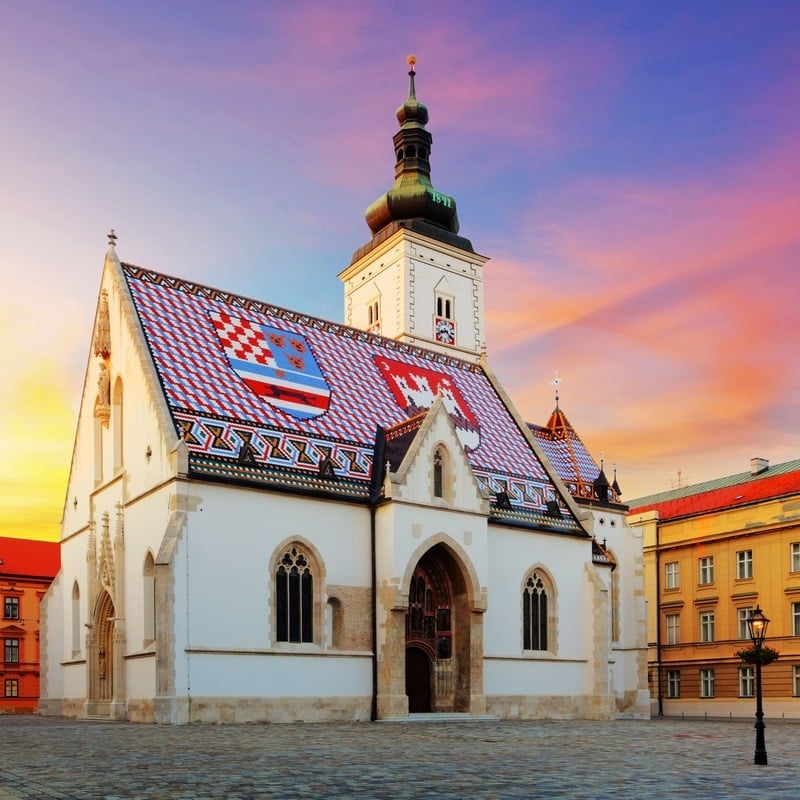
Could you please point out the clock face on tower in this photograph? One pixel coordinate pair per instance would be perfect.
(444, 330)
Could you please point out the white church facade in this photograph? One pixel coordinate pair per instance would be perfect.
(273, 517)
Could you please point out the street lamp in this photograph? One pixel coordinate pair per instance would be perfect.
(757, 626)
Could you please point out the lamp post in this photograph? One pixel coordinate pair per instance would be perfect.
(757, 626)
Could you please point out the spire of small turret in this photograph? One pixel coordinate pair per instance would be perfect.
(111, 253)
(615, 485)
(413, 197)
(601, 485)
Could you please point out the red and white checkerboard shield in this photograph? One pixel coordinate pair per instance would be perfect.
(277, 365)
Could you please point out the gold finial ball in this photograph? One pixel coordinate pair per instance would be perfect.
(412, 60)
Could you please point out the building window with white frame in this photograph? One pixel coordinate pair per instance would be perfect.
(706, 626)
(742, 615)
(795, 619)
(672, 575)
(11, 607)
(673, 683)
(706, 683)
(11, 651)
(796, 681)
(744, 565)
(673, 628)
(746, 681)
(794, 557)
(706, 570)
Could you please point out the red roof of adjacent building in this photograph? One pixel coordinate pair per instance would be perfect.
(735, 490)
(30, 558)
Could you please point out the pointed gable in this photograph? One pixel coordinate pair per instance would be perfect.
(294, 390)
(428, 443)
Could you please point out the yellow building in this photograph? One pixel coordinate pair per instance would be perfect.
(712, 553)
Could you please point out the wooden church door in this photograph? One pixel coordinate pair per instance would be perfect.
(429, 662)
(418, 680)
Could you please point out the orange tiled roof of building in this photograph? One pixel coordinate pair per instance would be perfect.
(728, 492)
(29, 557)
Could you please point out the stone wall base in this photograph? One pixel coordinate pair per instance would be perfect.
(61, 707)
(549, 706)
(234, 710)
(633, 704)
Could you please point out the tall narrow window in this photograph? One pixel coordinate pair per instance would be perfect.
(76, 619)
(334, 623)
(744, 565)
(11, 607)
(444, 307)
(11, 651)
(117, 423)
(742, 614)
(438, 468)
(706, 570)
(672, 579)
(795, 619)
(706, 683)
(706, 626)
(149, 600)
(794, 556)
(796, 681)
(12, 687)
(374, 317)
(294, 598)
(673, 628)
(746, 682)
(534, 613)
(673, 683)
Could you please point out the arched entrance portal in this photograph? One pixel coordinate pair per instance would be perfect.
(437, 636)
(101, 674)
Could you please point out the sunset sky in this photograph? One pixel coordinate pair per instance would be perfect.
(632, 169)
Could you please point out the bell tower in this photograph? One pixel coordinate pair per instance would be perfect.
(416, 280)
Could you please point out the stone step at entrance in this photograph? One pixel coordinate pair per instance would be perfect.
(444, 716)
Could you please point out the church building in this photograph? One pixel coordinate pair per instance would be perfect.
(273, 517)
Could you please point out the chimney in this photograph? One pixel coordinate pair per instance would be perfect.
(758, 465)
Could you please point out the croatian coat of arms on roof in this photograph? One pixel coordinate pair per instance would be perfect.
(415, 388)
(275, 364)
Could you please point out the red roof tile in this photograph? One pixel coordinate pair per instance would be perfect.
(29, 558)
(738, 494)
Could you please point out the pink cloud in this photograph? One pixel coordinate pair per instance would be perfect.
(682, 294)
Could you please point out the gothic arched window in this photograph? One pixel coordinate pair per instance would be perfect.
(294, 597)
(438, 473)
(534, 613)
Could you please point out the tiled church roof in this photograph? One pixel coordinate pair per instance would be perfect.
(568, 454)
(264, 395)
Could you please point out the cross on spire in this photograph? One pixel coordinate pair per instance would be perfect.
(555, 382)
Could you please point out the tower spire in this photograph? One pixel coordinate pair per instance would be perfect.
(413, 197)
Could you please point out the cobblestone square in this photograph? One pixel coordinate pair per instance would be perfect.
(49, 758)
